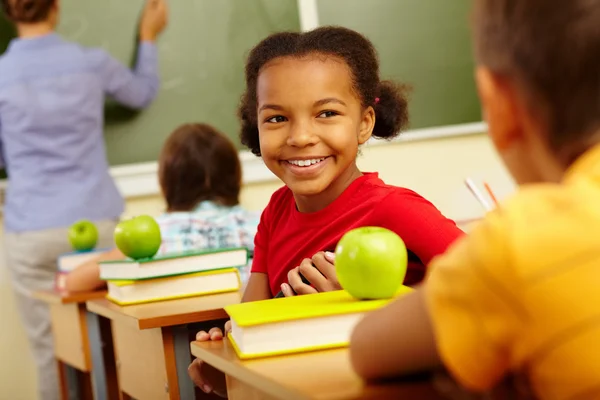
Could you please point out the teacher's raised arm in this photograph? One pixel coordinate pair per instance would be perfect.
(137, 88)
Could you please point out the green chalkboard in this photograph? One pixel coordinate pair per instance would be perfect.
(7, 32)
(425, 43)
(202, 55)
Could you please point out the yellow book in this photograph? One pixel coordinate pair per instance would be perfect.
(173, 287)
(297, 324)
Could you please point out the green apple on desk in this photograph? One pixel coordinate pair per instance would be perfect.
(371, 262)
(138, 237)
(83, 235)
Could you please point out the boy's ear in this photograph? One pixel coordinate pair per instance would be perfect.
(500, 108)
(366, 126)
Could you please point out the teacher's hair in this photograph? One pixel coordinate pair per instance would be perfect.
(27, 11)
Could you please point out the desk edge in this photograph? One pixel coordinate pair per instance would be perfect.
(256, 380)
(52, 297)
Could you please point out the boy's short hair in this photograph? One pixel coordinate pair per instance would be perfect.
(199, 163)
(551, 49)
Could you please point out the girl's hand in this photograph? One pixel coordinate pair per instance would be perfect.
(203, 375)
(318, 270)
(213, 334)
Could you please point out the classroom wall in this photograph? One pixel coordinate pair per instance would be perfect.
(16, 363)
(434, 168)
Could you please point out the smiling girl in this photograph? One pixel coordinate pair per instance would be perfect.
(312, 99)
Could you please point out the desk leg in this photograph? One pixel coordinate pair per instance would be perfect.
(104, 375)
(69, 381)
(181, 344)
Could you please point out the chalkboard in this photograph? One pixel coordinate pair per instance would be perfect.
(7, 32)
(201, 53)
(425, 43)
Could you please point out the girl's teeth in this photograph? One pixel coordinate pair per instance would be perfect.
(305, 163)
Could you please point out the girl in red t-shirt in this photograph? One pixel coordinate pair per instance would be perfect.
(311, 100)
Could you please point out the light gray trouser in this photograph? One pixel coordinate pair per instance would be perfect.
(31, 260)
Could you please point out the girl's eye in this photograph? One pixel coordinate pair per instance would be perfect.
(327, 114)
(276, 119)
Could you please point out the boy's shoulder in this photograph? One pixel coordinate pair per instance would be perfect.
(543, 205)
(539, 225)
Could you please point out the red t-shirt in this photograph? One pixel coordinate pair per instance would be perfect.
(286, 236)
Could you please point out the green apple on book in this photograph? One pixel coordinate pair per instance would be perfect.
(138, 237)
(371, 262)
(83, 235)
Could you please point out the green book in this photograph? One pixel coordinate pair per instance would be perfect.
(173, 264)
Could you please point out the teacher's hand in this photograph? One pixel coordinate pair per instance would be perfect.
(154, 19)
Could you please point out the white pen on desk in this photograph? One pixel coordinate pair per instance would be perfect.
(478, 195)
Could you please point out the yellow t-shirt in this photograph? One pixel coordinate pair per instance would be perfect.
(521, 293)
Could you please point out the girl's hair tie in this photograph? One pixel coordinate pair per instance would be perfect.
(376, 100)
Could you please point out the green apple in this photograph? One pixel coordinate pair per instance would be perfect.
(83, 235)
(138, 237)
(371, 262)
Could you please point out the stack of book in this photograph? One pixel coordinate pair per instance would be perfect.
(298, 324)
(173, 276)
(67, 262)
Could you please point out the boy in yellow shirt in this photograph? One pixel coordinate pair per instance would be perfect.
(520, 296)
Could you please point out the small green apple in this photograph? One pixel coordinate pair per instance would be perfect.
(83, 235)
(138, 237)
(371, 262)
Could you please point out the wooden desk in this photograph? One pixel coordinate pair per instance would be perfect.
(323, 375)
(82, 346)
(152, 342)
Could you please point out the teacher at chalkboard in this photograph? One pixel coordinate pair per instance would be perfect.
(52, 96)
